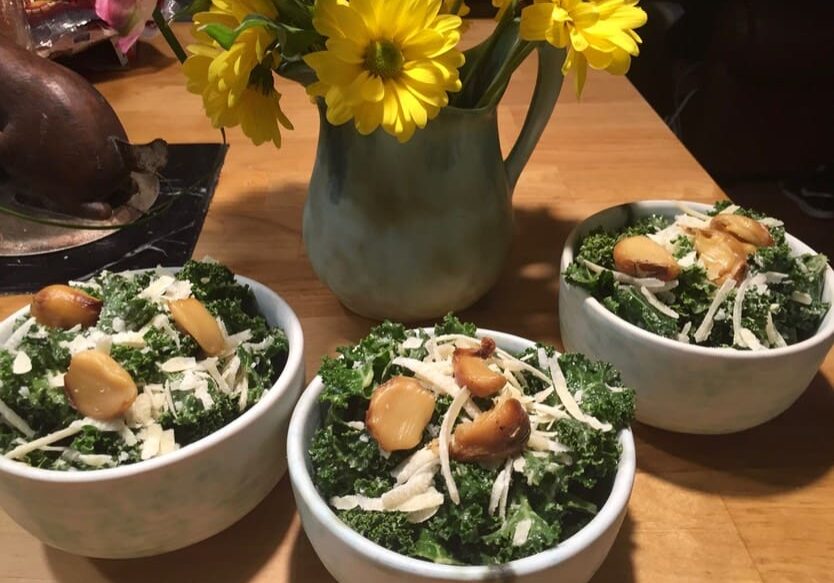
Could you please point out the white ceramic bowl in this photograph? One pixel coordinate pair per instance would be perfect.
(166, 503)
(683, 387)
(351, 558)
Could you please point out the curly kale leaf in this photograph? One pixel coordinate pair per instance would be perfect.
(120, 296)
(755, 308)
(593, 379)
(349, 379)
(776, 257)
(797, 322)
(46, 353)
(632, 307)
(683, 246)
(43, 407)
(345, 459)
(746, 212)
(594, 454)
(808, 274)
(429, 548)
(143, 363)
(693, 295)
(598, 247)
(212, 282)
(452, 325)
(193, 421)
(263, 367)
(599, 285)
(462, 526)
(93, 441)
(645, 226)
(388, 529)
(541, 536)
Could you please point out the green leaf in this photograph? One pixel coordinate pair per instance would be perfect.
(295, 41)
(226, 36)
(221, 33)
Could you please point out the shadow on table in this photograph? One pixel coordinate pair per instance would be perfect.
(149, 59)
(786, 453)
(523, 300)
(233, 556)
(304, 564)
(618, 566)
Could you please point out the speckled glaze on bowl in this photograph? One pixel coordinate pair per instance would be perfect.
(178, 499)
(351, 558)
(683, 387)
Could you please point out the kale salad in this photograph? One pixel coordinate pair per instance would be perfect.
(446, 448)
(129, 367)
(725, 278)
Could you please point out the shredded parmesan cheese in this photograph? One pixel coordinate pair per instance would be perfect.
(151, 439)
(412, 342)
(15, 420)
(22, 450)
(178, 364)
(561, 387)
(521, 532)
(651, 283)
(22, 363)
(683, 335)
(657, 304)
(803, 298)
(702, 333)
(429, 373)
(423, 460)
(14, 340)
(738, 306)
(505, 492)
(444, 439)
(773, 335)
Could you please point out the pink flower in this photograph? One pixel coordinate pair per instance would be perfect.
(127, 17)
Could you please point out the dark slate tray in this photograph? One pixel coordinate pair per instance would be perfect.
(187, 184)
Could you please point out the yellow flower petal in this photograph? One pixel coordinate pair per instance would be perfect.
(413, 62)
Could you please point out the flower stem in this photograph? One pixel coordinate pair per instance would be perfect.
(520, 51)
(169, 36)
(482, 56)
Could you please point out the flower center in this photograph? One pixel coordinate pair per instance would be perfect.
(384, 59)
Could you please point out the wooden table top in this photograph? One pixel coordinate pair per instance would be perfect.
(756, 506)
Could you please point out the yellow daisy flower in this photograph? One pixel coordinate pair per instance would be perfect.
(388, 63)
(237, 85)
(598, 33)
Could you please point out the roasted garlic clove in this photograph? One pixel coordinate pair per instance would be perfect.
(641, 257)
(192, 317)
(62, 306)
(723, 255)
(744, 229)
(398, 413)
(499, 433)
(97, 386)
(471, 371)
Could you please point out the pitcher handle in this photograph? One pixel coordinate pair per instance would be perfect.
(548, 85)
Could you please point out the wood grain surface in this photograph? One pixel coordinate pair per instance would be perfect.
(756, 506)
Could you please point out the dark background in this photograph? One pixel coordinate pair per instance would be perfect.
(748, 87)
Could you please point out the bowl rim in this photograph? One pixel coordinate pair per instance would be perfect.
(295, 339)
(823, 334)
(303, 486)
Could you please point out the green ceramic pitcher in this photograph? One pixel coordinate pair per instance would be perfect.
(412, 231)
